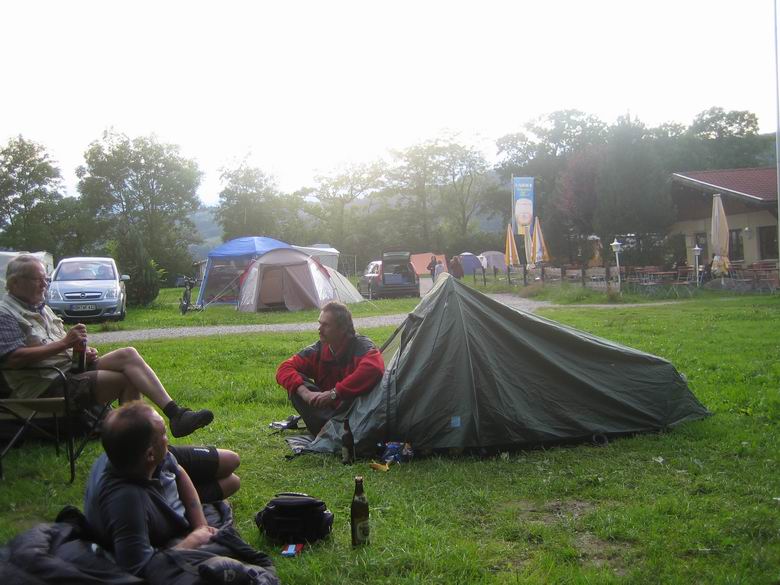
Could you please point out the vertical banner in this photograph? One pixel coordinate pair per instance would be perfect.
(522, 204)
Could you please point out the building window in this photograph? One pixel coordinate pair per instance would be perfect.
(700, 240)
(767, 242)
(736, 250)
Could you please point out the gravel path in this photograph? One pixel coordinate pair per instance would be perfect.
(360, 323)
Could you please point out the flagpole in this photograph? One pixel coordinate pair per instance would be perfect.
(777, 133)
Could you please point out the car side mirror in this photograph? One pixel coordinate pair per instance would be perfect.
(124, 277)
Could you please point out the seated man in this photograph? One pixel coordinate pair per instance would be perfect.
(32, 335)
(341, 365)
(140, 497)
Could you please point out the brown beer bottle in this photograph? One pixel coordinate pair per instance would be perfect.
(78, 360)
(359, 514)
(347, 445)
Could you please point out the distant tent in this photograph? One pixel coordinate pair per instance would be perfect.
(291, 279)
(470, 263)
(6, 257)
(496, 259)
(421, 261)
(225, 265)
(466, 372)
(325, 255)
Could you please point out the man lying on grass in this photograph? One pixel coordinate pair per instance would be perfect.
(325, 377)
(32, 335)
(143, 495)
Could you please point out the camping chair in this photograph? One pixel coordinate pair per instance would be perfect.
(24, 411)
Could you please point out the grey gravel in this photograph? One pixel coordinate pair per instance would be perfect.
(528, 305)
(360, 323)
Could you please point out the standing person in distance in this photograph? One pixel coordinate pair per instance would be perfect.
(432, 268)
(456, 268)
(438, 271)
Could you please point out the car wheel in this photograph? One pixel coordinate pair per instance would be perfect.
(123, 312)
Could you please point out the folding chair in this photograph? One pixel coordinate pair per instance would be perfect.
(25, 410)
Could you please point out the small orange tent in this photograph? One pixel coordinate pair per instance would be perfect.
(421, 261)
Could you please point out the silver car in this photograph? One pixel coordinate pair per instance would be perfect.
(88, 289)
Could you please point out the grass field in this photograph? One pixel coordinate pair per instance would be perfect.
(700, 504)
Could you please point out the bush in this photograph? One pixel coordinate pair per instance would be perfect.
(144, 284)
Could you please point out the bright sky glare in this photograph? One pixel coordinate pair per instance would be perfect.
(299, 88)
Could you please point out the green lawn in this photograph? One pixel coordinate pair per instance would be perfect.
(700, 504)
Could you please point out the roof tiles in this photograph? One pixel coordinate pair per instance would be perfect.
(756, 183)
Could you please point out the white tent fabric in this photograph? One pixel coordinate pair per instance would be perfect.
(290, 278)
(496, 259)
(6, 257)
(325, 255)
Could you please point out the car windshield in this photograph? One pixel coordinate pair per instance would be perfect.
(86, 270)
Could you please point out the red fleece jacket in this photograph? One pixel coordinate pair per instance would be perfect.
(354, 370)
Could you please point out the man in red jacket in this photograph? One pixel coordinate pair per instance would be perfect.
(325, 377)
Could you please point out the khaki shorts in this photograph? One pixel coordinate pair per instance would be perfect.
(81, 389)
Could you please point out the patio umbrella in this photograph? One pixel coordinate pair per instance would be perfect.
(719, 238)
(540, 253)
(510, 253)
(595, 252)
(528, 246)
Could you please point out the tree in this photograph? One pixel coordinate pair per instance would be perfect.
(633, 194)
(577, 196)
(413, 183)
(565, 131)
(141, 185)
(465, 180)
(717, 123)
(29, 187)
(246, 203)
(336, 192)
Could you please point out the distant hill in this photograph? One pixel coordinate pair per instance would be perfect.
(209, 230)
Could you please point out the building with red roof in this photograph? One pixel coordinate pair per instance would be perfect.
(750, 201)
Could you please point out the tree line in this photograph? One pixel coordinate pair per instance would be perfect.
(136, 195)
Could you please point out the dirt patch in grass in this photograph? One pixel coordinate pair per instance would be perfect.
(592, 550)
(597, 552)
(552, 512)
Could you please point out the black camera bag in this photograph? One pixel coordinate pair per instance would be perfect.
(293, 518)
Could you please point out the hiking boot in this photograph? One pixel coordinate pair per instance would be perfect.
(187, 421)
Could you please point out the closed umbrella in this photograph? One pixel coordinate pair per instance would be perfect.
(510, 253)
(719, 238)
(537, 244)
(528, 247)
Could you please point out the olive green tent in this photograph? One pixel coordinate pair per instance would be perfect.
(466, 372)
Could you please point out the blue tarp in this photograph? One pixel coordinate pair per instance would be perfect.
(253, 246)
(227, 262)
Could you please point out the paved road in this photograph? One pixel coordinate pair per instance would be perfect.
(360, 323)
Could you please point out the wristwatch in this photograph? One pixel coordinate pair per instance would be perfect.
(333, 395)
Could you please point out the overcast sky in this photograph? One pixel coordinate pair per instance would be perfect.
(298, 88)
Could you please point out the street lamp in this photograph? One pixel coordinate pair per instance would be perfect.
(696, 254)
(617, 247)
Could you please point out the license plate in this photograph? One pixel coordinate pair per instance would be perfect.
(82, 307)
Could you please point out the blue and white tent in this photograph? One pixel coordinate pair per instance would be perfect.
(470, 263)
(227, 264)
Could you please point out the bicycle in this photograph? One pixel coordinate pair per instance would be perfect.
(186, 298)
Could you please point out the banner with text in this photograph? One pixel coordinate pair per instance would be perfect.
(522, 204)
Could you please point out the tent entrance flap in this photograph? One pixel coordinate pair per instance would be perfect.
(272, 287)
